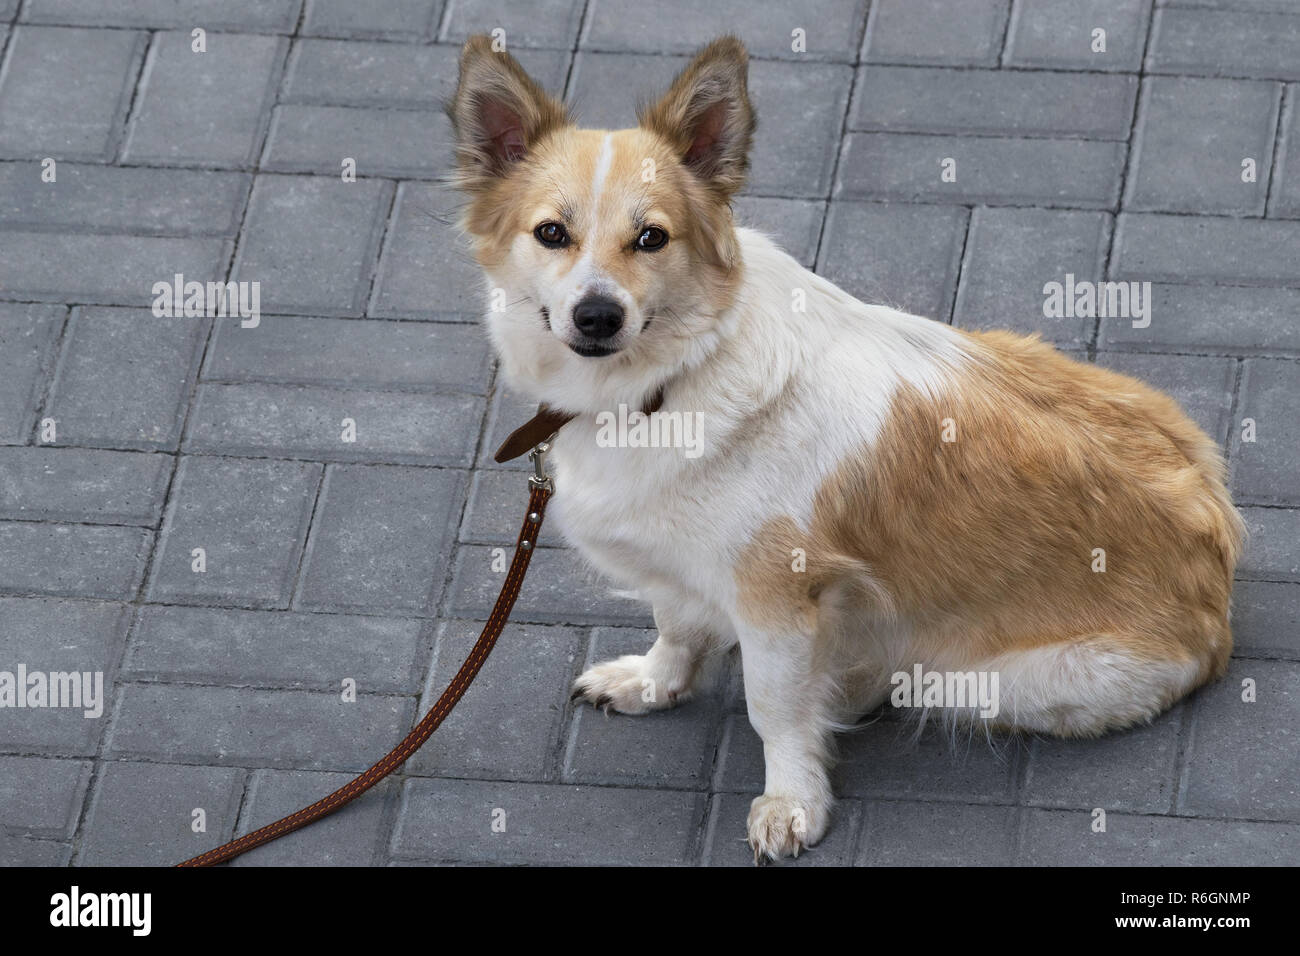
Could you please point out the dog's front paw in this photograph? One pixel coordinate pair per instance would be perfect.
(623, 685)
(781, 826)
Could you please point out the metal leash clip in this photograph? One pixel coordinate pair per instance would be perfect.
(539, 478)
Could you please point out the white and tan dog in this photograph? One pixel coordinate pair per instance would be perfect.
(874, 490)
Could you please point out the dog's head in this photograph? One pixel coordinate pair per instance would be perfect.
(609, 255)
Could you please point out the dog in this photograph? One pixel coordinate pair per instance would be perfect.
(874, 490)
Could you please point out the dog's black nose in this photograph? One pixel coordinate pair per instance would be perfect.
(598, 317)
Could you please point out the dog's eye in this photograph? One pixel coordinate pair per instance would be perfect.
(552, 234)
(651, 238)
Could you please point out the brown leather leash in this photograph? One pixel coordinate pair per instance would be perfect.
(535, 434)
(544, 424)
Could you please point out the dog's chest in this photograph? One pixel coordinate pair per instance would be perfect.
(645, 516)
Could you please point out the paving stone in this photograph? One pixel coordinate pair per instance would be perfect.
(42, 796)
(1202, 386)
(726, 843)
(1264, 6)
(295, 421)
(1193, 136)
(314, 651)
(84, 198)
(1066, 838)
(111, 270)
(547, 23)
(901, 99)
(381, 142)
(508, 724)
(561, 589)
(1232, 43)
(668, 748)
(1189, 318)
(1272, 552)
(1242, 760)
(937, 834)
(250, 519)
(1132, 770)
(1285, 199)
(71, 560)
(1267, 470)
(992, 170)
(1059, 33)
(831, 27)
(124, 378)
(266, 16)
(350, 353)
(64, 92)
(800, 108)
(16, 850)
(142, 814)
(1011, 254)
(58, 636)
(1266, 620)
(205, 108)
(406, 76)
(794, 224)
(397, 19)
(226, 726)
(506, 412)
(81, 484)
(1206, 249)
(930, 31)
(294, 246)
(427, 270)
(452, 820)
(495, 511)
(903, 256)
(381, 539)
(351, 837)
(28, 334)
(882, 760)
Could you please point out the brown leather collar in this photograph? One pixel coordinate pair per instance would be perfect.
(546, 423)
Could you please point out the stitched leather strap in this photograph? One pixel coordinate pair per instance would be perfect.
(496, 622)
(547, 422)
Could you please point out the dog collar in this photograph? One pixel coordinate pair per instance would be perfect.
(546, 423)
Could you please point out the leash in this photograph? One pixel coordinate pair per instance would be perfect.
(541, 490)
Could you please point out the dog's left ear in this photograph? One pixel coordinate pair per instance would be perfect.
(499, 113)
(707, 116)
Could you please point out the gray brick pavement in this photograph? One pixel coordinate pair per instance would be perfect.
(334, 565)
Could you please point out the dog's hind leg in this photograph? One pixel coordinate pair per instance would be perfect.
(1090, 685)
(691, 636)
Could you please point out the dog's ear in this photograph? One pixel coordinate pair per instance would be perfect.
(707, 117)
(498, 113)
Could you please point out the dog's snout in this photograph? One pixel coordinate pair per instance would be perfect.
(598, 316)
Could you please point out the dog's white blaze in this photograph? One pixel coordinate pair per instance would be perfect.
(603, 164)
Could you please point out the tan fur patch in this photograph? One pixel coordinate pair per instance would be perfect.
(985, 544)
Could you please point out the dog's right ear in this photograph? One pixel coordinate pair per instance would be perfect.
(498, 113)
